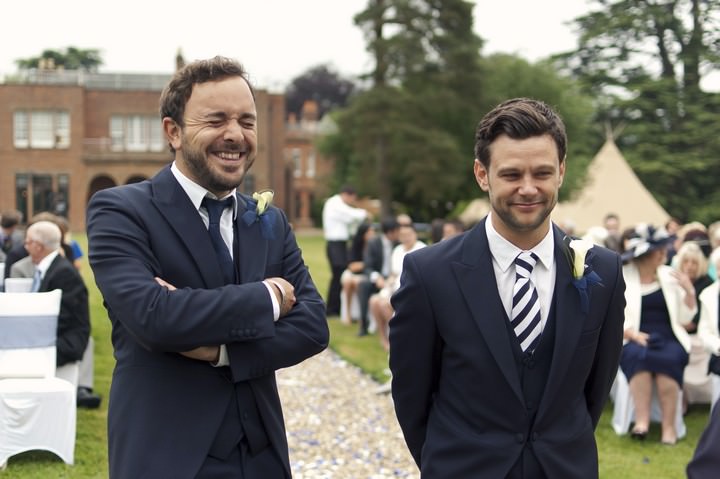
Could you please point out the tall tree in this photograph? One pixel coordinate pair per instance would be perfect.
(405, 134)
(321, 84)
(71, 58)
(645, 60)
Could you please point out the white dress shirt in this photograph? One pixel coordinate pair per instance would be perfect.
(339, 218)
(543, 275)
(196, 193)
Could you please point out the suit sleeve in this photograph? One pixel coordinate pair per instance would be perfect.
(302, 333)
(609, 347)
(124, 250)
(414, 357)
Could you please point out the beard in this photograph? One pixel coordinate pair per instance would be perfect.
(523, 224)
(212, 177)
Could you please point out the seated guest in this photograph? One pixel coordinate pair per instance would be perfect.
(709, 326)
(376, 262)
(380, 302)
(692, 261)
(659, 302)
(354, 274)
(54, 271)
(452, 228)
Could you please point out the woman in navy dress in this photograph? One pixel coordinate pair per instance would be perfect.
(660, 301)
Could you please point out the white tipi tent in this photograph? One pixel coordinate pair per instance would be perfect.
(611, 187)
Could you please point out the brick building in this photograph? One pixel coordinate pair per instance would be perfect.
(311, 171)
(66, 134)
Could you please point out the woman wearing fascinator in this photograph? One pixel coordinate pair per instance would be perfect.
(660, 302)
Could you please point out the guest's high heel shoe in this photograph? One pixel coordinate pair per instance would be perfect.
(638, 434)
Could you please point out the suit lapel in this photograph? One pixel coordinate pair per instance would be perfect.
(179, 212)
(569, 320)
(54, 265)
(250, 247)
(476, 278)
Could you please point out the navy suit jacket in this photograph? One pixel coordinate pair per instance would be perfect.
(456, 385)
(165, 409)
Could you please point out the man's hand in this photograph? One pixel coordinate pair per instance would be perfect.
(285, 294)
(203, 353)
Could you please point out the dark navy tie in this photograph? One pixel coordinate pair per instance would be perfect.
(526, 306)
(215, 210)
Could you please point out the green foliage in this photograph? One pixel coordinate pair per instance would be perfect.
(644, 62)
(71, 58)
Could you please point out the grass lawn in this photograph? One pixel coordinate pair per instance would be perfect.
(620, 457)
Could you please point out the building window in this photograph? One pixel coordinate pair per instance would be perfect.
(296, 161)
(136, 133)
(41, 129)
(310, 172)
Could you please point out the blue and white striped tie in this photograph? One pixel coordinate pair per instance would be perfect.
(525, 305)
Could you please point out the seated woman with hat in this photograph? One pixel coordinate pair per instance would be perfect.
(660, 301)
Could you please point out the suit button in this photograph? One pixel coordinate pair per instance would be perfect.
(253, 332)
(246, 332)
(530, 405)
(520, 437)
(245, 415)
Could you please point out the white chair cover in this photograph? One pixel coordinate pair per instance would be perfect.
(624, 408)
(715, 390)
(37, 409)
(355, 311)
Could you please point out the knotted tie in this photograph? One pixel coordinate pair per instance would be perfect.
(37, 279)
(525, 305)
(215, 210)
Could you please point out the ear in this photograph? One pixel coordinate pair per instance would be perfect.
(481, 175)
(561, 170)
(173, 132)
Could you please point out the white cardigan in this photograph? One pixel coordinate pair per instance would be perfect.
(708, 325)
(674, 295)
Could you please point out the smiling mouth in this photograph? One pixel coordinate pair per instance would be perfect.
(229, 155)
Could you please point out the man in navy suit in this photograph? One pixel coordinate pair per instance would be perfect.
(207, 293)
(490, 381)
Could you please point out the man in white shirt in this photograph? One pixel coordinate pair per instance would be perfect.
(340, 218)
(502, 355)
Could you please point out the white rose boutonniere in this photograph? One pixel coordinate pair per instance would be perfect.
(258, 210)
(579, 253)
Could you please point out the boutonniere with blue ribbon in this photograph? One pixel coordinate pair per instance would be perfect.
(258, 210)
(579, 254)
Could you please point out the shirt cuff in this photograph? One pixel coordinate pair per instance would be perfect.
(275, 304)
(223, 359)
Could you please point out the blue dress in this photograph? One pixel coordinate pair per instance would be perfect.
(664, 354)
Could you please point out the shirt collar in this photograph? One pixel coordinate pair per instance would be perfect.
(45, 263)
(505, 252)
(196, 193)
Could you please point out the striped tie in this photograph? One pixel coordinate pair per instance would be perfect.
(525, 306)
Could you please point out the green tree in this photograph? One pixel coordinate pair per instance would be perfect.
(645, 60)
(406, 138)
(71, 58)
(321, 84)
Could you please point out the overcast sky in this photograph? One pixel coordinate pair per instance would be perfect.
(277, 40)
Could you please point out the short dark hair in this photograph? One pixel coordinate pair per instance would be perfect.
(176, 94)
(519, 118)
(389, 224)
(348, 189)
(10, 218)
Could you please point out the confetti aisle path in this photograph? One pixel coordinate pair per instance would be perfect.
(337, 426)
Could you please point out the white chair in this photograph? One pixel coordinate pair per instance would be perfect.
(715, 390)
(37, 409)
(18, 285)
(624, 408)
